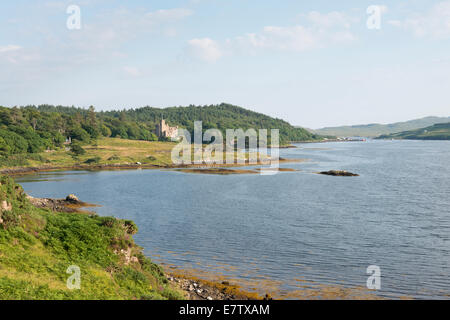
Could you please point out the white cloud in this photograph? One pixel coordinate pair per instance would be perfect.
(204, 49)
(131, 71)
(319, 30)
(16, 55)
(297, 38)
(103, 38)
(9, 48)
(435, 23)
(329, 20)
(167, 15)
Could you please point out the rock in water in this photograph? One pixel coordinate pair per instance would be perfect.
(72, 198)
(340, 173)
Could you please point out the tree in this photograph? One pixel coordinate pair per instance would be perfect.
(80, 134)
(5, 149)
(92, 117)
(77, 150)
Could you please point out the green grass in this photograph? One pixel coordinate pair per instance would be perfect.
(37, 246)
(105, 151)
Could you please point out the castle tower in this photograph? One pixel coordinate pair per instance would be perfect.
(164, 130)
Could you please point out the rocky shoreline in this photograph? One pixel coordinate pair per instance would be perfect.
(193, 289)
(70, 204)
(199, 289)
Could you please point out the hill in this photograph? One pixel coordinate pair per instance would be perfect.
(33, 129)
(440, 131)
(375, 130)
(39, 246)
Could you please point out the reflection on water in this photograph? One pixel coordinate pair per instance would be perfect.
(293, 225)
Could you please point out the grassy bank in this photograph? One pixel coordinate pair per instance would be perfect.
(37, 246)
(110, 153)
(106, 151)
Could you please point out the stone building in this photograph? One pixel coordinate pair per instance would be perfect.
(165, 131)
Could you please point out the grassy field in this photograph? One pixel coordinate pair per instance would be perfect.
(37, 246)
(116, 151)
(105, 151)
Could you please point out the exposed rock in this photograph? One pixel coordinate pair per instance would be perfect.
(5, 206)
(127, 255)
(70, 204)
(72, 198)
(206, 290)
(340, 173)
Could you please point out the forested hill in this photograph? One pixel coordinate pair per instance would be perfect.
(222, 117)
(439, 131)
(32, 129)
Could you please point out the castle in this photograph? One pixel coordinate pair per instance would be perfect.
(165, 131)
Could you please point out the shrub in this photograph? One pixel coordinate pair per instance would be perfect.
(93, 160)
(108, 221)
(130, 226)
(77, 149)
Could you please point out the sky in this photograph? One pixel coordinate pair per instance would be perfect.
(312, 63)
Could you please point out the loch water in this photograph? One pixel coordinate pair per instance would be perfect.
(291, 231)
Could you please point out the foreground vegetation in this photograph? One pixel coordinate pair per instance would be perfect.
(37, 246)
(439, 131)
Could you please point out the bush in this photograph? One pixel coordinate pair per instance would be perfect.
(77, 150)
(109, 222)
(130, 226)
(20, 160)
(93, 160)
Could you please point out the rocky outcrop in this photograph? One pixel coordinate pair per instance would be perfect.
(70, 204)
(127, 256)
(72, 198)
(339, 173)
(5, 206)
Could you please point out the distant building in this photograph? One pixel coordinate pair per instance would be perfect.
(68, 141)
(165, 131)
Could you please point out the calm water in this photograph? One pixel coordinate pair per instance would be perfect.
(293, 225)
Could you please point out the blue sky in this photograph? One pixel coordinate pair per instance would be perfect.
(312, 63)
